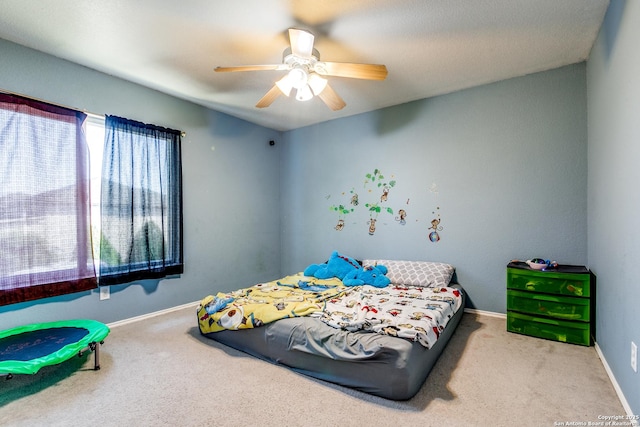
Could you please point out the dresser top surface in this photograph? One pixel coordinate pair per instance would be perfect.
(561, 268)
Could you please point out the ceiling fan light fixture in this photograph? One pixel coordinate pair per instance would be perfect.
(285, 85)
(298, 77)
(317, 83)
(304, 93)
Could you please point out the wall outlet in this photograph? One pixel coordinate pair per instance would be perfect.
(104, 293)
(634, 357)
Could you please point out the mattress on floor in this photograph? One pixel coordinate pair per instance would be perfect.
(378, 364)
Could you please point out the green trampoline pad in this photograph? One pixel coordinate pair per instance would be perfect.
(27, 349)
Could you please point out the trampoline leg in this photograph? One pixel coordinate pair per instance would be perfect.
(96, 355)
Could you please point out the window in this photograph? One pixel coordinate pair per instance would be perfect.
(45, 247)
(74, 188)
(94, 131)
(141, 238)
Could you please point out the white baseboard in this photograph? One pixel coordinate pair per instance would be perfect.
(150, 315)
(616, 387)
(485, 313)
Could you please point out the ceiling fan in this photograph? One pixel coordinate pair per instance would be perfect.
(306, 73)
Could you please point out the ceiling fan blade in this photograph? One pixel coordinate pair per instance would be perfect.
(332, 99)
(269, 97)
(250, 68)
(301, 42)
(354, 71)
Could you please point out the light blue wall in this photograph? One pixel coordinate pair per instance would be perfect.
(614, 198)
(230, 184)
(508, 160)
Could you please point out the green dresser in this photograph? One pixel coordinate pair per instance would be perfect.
(557, 304)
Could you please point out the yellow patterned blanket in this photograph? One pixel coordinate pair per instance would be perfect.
(292, 296)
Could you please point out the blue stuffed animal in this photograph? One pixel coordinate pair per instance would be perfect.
(337, 266)
(374, 276)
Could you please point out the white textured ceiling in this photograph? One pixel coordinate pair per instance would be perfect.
(430, 47)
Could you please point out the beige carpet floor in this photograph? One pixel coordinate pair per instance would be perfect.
(161, 372)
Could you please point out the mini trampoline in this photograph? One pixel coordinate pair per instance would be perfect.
(27, 349)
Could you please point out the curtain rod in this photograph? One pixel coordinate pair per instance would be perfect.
(88, 113)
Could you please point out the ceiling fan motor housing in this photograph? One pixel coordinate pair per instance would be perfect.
(309, 64)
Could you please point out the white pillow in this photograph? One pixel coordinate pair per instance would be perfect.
(415, 273)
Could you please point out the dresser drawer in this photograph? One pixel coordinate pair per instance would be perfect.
(548, 282)
(542, 327)
(559, 307)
